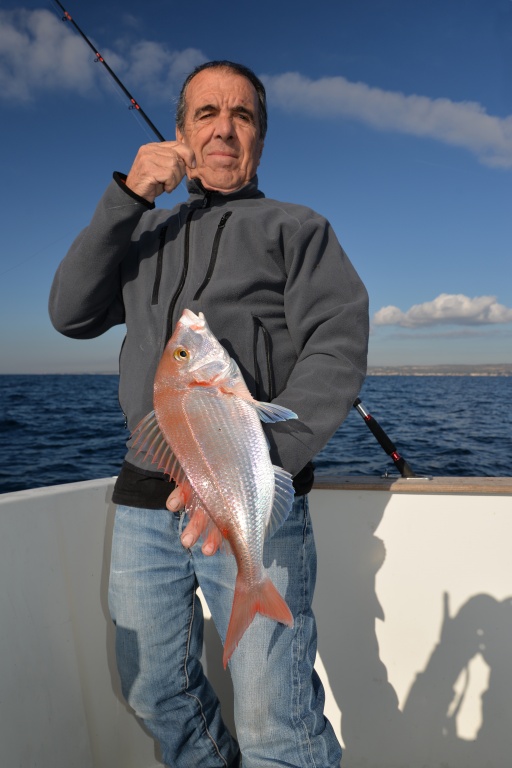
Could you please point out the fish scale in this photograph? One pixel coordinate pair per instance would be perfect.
(212, 428)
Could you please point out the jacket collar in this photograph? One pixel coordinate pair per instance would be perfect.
(199, 193)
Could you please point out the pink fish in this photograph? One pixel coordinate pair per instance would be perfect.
(206, 434)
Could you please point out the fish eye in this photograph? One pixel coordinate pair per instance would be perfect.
(181, 354)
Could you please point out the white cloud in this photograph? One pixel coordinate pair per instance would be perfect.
(461, 124)
(39, 53)
(447, 309)
(157, 71)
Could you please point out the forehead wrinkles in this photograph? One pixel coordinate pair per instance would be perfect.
(220, 90)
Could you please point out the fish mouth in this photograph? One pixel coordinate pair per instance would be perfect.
(212, 361)
(192, 321)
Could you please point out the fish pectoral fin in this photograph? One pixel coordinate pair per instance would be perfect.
(268, 412)
(151, 443)
(237, 388)
(284, 494)
(272, 412)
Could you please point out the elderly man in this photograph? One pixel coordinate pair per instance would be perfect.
(279, 292)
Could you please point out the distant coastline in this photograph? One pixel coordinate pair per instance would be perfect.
(502, 369)
(488, 369)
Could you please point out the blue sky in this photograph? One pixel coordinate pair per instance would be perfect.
(392, 118)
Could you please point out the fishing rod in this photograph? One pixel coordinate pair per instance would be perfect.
(383, 440)
(99, 58)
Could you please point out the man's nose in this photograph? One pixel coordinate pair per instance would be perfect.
(224, 127)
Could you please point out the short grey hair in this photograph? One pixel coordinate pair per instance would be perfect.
(239, 69)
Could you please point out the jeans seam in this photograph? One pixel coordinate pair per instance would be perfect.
(191, 695)
(299, 642)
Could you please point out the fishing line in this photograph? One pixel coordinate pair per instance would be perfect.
(33, 255)
(133, 112)
(99, 58)
(138, 113)
(134, 105)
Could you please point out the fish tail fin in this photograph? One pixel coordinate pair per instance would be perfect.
(262, 598)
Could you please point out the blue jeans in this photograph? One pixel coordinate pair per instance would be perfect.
(159, 635)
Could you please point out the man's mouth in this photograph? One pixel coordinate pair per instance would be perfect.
(220, 153)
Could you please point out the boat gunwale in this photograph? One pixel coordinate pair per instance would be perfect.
(475, 486)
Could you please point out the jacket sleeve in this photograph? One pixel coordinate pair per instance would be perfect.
(85, 297)
(326, 306)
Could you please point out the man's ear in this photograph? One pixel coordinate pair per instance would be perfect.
(179, 136)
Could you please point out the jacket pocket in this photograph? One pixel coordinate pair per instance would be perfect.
(262, 360)
(119, 400)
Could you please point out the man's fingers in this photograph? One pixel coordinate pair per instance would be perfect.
(213, 542)
(176, 500)
(194, 529)
(159, 167)
(185, 152)
(197, 525)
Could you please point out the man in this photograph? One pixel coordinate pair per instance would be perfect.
(280, 294)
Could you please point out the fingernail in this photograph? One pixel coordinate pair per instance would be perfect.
(187, 540)
(208, 549)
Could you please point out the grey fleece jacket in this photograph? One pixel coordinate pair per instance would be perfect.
(273, 282)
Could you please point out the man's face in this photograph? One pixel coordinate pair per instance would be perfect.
(222, 129)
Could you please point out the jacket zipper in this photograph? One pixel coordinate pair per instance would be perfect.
(182, 279)
(170, 325)
(213, 257)
(159, 264)
(259, 327)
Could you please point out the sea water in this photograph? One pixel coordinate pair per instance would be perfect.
(65, 428)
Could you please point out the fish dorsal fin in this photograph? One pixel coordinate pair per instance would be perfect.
(283, 500)
(150, 442)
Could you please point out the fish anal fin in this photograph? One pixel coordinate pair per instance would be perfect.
(262, 598)
(284, 495)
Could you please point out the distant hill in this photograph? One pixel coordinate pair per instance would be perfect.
(500, 369)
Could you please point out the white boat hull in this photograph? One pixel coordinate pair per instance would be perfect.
(396, 560)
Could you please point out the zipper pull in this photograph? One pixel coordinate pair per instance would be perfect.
(222, 222)
(206, 200)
